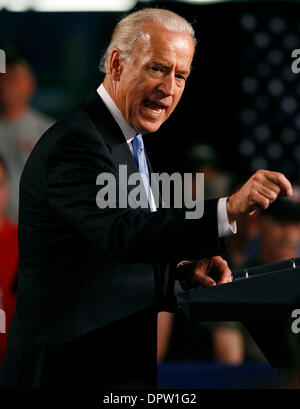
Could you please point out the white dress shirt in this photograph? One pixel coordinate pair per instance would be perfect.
(224, 227)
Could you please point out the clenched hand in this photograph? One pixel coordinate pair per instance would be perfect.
(258, 192)
(203, 273)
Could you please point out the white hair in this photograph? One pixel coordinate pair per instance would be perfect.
(127, 31)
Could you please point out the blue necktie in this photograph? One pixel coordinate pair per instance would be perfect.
(140, 158)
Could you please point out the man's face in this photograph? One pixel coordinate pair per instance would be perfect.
(16, 86)
(280, 240)
(151, 83)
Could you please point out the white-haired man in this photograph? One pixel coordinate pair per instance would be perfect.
(92, 279)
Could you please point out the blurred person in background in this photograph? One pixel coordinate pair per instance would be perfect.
(240, 247)
(278, 232)
(20, 125)
(278, 239)
(202, 158)
(8, 257)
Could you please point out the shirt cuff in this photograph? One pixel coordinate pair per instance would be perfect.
(224, 227)
(184, 262)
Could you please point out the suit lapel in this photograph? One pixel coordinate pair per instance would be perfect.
(110, 131)
(112, 134)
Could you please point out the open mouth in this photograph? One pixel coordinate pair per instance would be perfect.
(154, 107)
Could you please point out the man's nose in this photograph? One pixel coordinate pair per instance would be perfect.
(167, 85)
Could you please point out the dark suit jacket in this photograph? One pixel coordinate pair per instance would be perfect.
(83, 268)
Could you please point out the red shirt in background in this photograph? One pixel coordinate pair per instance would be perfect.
(9, 259)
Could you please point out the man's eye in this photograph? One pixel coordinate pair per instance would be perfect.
(155, 69)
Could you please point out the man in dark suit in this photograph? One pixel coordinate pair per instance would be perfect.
(91, 279)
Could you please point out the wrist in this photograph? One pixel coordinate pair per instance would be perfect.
(230, 210)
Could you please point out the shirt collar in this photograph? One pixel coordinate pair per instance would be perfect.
(128, 131)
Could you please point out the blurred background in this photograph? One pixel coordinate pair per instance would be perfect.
(239, 113)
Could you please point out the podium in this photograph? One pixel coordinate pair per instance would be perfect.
(264, 299)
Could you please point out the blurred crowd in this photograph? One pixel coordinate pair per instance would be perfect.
(264, 237)
(20, 128)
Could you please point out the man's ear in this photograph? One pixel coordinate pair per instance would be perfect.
(115, 64)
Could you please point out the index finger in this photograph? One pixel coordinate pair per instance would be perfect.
(280, 180)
